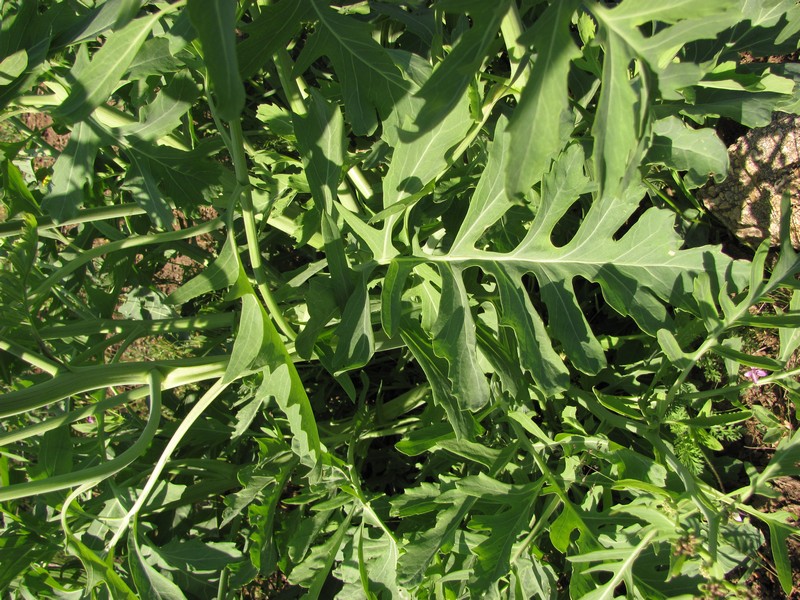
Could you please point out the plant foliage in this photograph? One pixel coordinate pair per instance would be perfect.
(384, 299)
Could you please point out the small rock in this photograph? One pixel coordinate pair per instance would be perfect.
(765, 162)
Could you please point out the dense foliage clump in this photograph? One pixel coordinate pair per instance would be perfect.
(397, 299)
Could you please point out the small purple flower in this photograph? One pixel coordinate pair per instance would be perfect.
(754, 374)
(90, 420)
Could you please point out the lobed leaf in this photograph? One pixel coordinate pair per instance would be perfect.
(537, 127)
(371, 82)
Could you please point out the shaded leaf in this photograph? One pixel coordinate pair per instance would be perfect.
(371, 83)
(454, 340)
(451, 77)
(356, 339)
(320, 138)
(149, 582)
(270, 32)
(144, 189)
(73, 169)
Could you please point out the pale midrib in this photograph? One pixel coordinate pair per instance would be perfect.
(487, 257)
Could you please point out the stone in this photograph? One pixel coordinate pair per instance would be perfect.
(764, 163)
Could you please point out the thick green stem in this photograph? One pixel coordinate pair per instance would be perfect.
(92, 475)
(294, 94)
(15, 227)
(33, 359)
(360, 182)
(294, 88)
(194, 414)
(132, 242)
(251, 232)
(155, 327)
(86, 379)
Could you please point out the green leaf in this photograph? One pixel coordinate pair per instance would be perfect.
(15, 191)
(255, 479)
(620, 125)
(221, 273)
(155, 57)
(779, 531)
(322, 307)
(494, 554)
(378, 563)
(535, 351)
(72, 171)
(424, 439)
(13, 66)
(113, 14)
(196, 565)
(249, 339)
(470, 450)
(790, 335)
(164, 114)
(435, 370)
(263, 553)
(373, 238)
(391, 294)
(356, 339)
(451, 77)
(749, 109)
(788, 321)
(421, 550)
(313, 572)
(258, 343)
(186, 177)
(371, 83)
(17, 265)
(419, 159)
(738, 416)
(537, 127)
(96, 81)
(533, 578)
(269, 32)
(700, 152)
(621, 569)
(631, 270)
(55, 453)
(18, 551)
(99, 571)
(750, 360)
(490, 201)
(341, 274)
(215, 22)
(454, 340)
(561, 529)
(785, 462)
(149, 582)
(144, 189)
(278, 120)
(672, 349)
(290, 395)
(688, 22)
(320, 138)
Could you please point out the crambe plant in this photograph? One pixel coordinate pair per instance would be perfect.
(395, 299)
